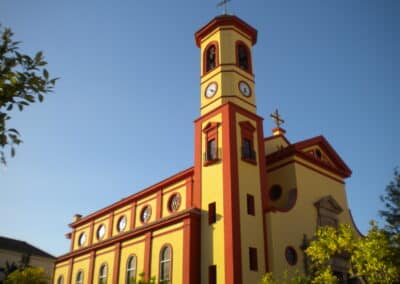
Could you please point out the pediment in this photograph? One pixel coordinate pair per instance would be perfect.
(319, 151)
(328, 203)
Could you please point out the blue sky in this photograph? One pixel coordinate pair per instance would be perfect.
(121, 117)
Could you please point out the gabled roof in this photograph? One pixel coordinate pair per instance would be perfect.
(338, 167)
(22, 247)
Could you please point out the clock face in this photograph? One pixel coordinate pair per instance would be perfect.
(82, 239)
(146, 213)
(244, 89)
(211, 89)
(101, 231)
(122, 223)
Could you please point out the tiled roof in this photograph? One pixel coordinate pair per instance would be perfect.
(22, 247)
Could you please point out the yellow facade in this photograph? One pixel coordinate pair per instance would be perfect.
(233, 216)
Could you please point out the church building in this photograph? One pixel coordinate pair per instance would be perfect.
(249, 205)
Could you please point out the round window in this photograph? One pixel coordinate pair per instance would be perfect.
(145, 214)
(82, 239)
(101, 231)
(121, 223)
(174, 202)
(275, 192)
(291, 255)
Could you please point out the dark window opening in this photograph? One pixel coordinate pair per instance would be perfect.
(243, 58)
(253, 259)
(291, 255)
(212, 151)
(212, 274)
(211, 58)
(275, 192)
(250, 205)
(318, 154)
(247, 150)
(212, 215)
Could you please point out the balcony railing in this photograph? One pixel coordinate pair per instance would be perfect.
(248, 154)
(212, 156)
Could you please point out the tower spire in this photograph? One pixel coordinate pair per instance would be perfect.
(224, 3)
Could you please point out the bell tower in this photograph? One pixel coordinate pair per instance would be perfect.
(226, 63)
(230, 173)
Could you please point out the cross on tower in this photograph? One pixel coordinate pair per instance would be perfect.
(277, 118)
(224, 3)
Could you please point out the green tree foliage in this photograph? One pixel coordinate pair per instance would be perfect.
(141, 280)
(286, 279)
(23, 81)
(29, 275)
(370, 257)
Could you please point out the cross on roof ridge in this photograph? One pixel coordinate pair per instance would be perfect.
(224, 3)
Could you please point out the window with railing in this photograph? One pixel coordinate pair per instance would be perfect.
(247, 151)
(212, 152)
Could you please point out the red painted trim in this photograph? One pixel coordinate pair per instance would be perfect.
(133, 216)
(171, 262)
(117, 260)
(110, 224)
(250, 67)
(215, 44)
(233, 259)
(69, 276)
(226, 20)
(134, 197)
(169, 202)
(189, 193)
(73, 235)
(147, 256)
(159, 204)
(91, 229)
(191, 250)
(91, 266)
(167, 221)
(198, 156)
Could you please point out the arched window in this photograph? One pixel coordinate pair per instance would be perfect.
(210, 57)
(131, 270)
(79, 277)
(243, 57)
(60, 280)
(103, 274)
(165, 265)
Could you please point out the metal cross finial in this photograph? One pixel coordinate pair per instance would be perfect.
(223, 3)
(277, 118)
